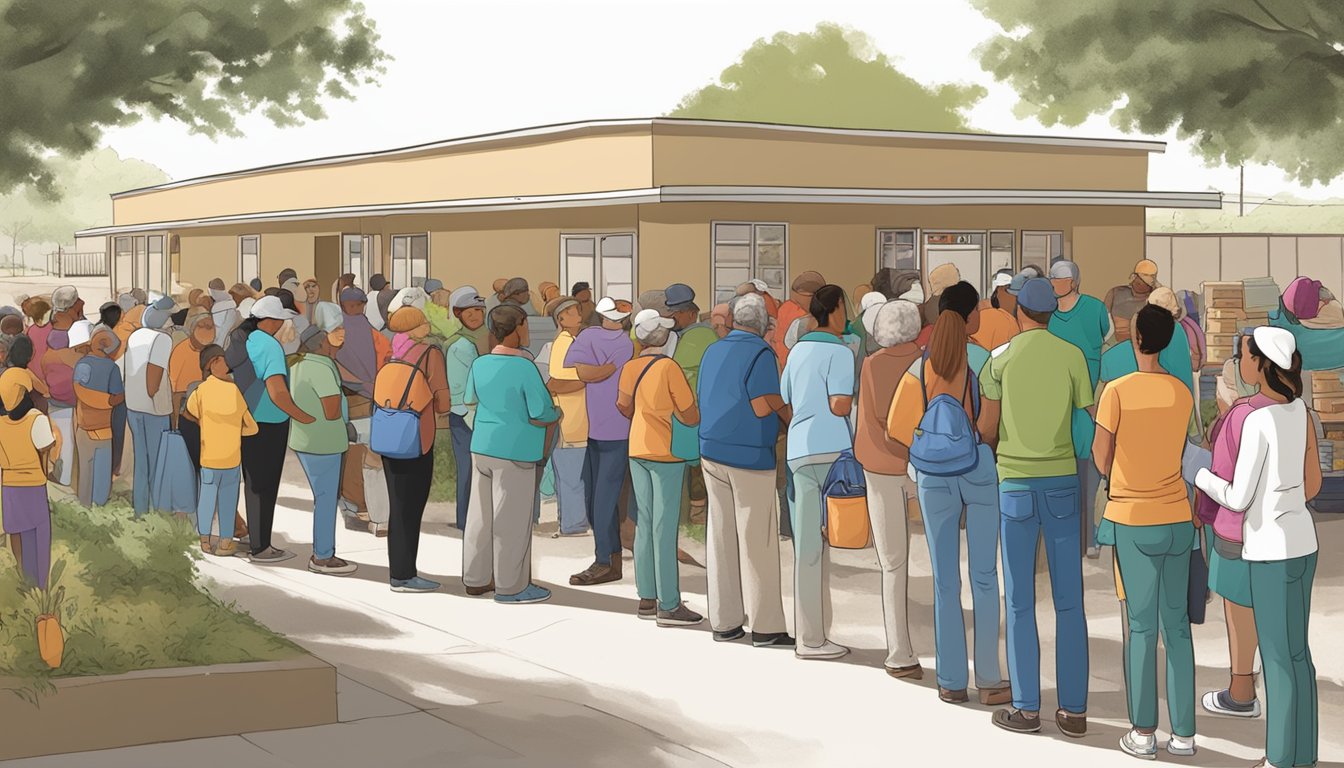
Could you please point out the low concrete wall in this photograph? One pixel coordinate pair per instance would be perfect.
(158, 705)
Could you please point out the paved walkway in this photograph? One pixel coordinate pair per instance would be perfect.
(447, 680)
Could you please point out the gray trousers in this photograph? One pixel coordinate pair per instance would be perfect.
(743, 549)
(95, 468)
(888, 497)
(497, 543)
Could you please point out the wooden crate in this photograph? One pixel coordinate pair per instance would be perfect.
(1218, 325)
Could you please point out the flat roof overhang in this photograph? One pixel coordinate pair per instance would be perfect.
(702, 194)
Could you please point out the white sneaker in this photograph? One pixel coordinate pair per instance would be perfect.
(1221, 703)
(1140, 745)
(1180, 746)
(827, 650)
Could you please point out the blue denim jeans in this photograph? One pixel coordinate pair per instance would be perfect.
(1029, 509)
(605, 464)
(219, 495)
(146, 432)
(941, 500)
(324, 477)
(567, 463)
(461, 436)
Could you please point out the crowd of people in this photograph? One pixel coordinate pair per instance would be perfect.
(1002, 417)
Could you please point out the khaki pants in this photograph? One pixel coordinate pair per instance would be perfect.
(742, 537)
(497, 543)
(888, 497)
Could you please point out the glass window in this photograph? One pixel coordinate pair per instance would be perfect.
(125, 263)
(249, 257)
(1041, 248)
(1000, 252)
(896, 249)
(410, 260)
(155, 278)
(618, 266)
(605, 262)
(744, 252)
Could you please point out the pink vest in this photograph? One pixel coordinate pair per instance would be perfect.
(1226, 445)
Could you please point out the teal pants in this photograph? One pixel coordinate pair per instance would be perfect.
(657, 486)
(1155, 569)
(1281, 592)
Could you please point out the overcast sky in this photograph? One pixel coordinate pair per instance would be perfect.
(474, 66)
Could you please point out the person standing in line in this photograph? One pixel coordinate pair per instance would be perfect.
(461, 350)
(596, 354)
(1124, 301)
(58, 372)
(583, 293)
(321, 445)
(263, 458)
(148, 395)
(517, 293)
(946, 368)
(1278, 471)
(98, 391)
(26, 445)
(1141, 426)
(692, 339)
(223, 311)
(1031, 389)
(184, 372)
(423, 373)
(893, 327)
(1083, 322)
(652, 390)
(37, 310)
(359, 359)
(818, 383)
(721, 320)
(998, 326)
(567, 389)
(514, 418)
(346, 280)
(129, 323)
(218, 407)
(795, 307)
(739, 428)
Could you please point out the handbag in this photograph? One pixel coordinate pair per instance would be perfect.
(395, 432)
(173, 488)
(844, 507)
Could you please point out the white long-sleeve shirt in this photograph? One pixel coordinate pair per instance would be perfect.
(1269, 484)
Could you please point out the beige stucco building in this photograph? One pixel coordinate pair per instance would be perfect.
(630, 205)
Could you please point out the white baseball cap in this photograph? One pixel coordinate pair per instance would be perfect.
(613, 309)
(80, 333)
(1275, 343)
(649, 320)
(271, 308)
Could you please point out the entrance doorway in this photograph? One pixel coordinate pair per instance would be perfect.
(607, 262)
(963, 250)
(359, 257)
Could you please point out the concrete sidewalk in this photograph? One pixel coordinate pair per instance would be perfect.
(444, 679)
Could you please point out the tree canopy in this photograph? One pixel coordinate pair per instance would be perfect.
(72, 68)
(1257, 81)
(831, 77)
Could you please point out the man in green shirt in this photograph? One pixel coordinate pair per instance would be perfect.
(693, 338)
(1031, 388)
(315, 385)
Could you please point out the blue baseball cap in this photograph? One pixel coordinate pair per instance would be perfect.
(1037, 295)
(680, 296)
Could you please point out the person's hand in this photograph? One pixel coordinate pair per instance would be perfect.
(117, 400)
(305, 418)
(606, 370)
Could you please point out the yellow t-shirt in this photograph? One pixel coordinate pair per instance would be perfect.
(219, 408)
(574, 422)
(662, 393)
(1148, 414)
(21, 444)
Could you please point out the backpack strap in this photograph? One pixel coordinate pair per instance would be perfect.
(406, 395)
(643, 373)
(752, 368)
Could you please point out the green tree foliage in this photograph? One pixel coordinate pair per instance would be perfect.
(71, 68)
(1258, 81)
(81, 187)
(831, 77)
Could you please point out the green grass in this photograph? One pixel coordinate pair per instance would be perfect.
(444, 487)
(693, 531)
(131, 602)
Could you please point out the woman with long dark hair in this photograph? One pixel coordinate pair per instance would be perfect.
(1277, 472)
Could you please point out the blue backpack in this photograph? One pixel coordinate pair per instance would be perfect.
(946, 442)
(394, 430)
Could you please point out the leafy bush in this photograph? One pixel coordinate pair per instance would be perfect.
(131, 602)
(444, 485)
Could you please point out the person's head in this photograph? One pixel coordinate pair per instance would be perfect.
(199, 327)
(36, 309)
(11, 325)
(353, 300)
(255, 284)
(1036, 302)
(999, 297)
(1145, 275)
(270, 313)
(213, 363)
(158, 315)
(197, 297)
(805, 285)
(862, 289)
(508, 324)
(241, 291)
(498, 287)
(681, 306)
(103, 342)
(615, 313)
(1064, 276)
(582, 293)
(749, 314)
(517, 291)
(827, 308)
(20, 352)
(468, 307)
(1166, 298)
(315, 341)
(1269, 359)
(110, 314)
(721, 320)
(566, 313)
(652, 330)
(312, 292)
(962, 298)
(897, 322)
(1153, 329)
(66, 306)
(286, 275)
(377, 283)
(942, 277)
(410, 321)
(346, 280)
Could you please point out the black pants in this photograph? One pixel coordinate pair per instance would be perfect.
(263, 463)
(191, 435)
(408, 482)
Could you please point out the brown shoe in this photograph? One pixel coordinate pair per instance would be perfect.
(1071, 725)
(598, 573)
(648, 609)
(996, 696)
(478, 591)
(912, 672)
(953, 697)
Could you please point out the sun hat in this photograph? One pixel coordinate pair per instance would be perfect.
(613, 309)
(648, 320)
(271, 308)
(466, 297)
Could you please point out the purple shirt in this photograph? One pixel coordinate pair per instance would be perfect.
(1226, 445)
(599, 346)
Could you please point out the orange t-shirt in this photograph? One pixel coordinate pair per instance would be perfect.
(997, 327)
(788, 312)
(184, 366)
(662, 393)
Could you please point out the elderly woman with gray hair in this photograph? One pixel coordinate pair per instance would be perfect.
(893, 326)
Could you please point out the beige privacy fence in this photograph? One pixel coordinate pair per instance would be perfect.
(1185, 262)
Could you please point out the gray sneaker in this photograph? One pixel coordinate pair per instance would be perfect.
(681, 616)
(270, 556)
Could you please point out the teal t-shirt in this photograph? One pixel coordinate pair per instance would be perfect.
(508, 393)
(976, 357)
(1175, 359)
(310, 380)
(268, 359)
(1086, 327)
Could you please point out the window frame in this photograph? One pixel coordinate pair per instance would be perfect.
(410, 270)
(752, 266)
(599, 279)
(1022, 248)
(877, 246)
(243, 276)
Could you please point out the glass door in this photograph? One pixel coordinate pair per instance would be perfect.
(606, 262)
(357, 258)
